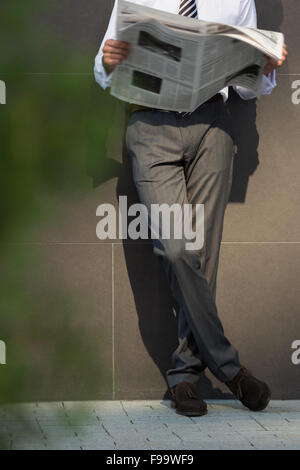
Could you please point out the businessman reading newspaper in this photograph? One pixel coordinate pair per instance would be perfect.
(185, 157)
(178, 63)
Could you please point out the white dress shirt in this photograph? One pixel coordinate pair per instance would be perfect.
(235, 12)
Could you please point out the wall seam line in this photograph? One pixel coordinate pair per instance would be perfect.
(113, 320)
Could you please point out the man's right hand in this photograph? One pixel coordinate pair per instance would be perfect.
(114, 52)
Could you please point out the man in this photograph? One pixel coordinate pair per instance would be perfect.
(180, 158)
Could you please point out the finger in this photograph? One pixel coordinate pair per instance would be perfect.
(118, 50)
(114, 57)
(113, 63)
(114, 50)
(272, 63)
(118, 44)
(113, 60)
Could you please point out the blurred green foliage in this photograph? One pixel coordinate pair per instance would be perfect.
(53, 137)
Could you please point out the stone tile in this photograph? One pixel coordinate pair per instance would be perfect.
(67, 330)
(152, 432)
(261, 207)
(66, 443)
(251, 280)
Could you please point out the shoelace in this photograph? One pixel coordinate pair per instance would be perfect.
(190, 393)
(239, 392)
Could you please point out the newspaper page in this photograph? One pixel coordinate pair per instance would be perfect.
(177, 63)
(269, 42)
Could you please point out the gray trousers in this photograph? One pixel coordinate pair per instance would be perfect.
(189, 160)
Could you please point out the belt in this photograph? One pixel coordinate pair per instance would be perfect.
(137, 107)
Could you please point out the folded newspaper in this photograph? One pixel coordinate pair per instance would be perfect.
(177, 63)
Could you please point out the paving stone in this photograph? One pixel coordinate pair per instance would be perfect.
(67, 443)
(29, 443)
(82, 430)
(148, 424)
(97, 442)
(58, 431)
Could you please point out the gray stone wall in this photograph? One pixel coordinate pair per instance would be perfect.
(122, 313)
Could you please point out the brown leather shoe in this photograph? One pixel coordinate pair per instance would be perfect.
(184, 398)
(253, 393)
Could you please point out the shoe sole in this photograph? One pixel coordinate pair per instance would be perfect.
(190, 413)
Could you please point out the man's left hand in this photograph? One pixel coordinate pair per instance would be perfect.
(274, 64)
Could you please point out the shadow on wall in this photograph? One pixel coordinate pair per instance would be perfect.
(269, 16)
(155, 306)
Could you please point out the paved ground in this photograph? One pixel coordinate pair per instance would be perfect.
(133, 425)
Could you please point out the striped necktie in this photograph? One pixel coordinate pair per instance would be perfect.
(188, 8)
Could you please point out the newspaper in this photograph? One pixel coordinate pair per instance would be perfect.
(177, 63)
